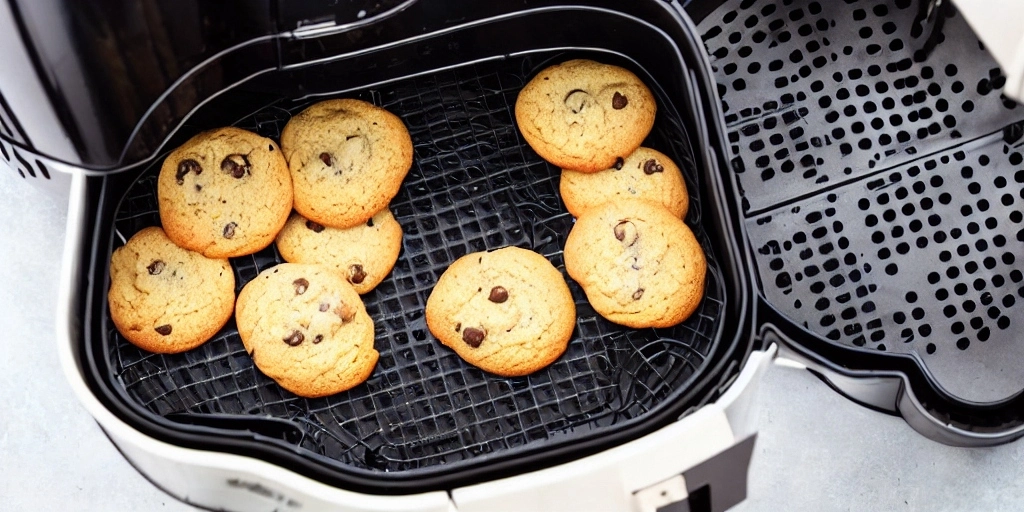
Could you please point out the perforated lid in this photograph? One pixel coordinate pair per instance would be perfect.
(882, 187)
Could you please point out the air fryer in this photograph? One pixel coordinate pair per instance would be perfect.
(851, 169)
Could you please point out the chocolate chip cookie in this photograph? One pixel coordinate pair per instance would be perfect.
(508, 312)
(166, 299)
(645, 174)
(363, 254)
(224, 193)
(348, 158)
(639, 265)
(306, 328)
(584, 115)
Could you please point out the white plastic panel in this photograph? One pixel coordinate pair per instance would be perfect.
(608, 480)
(1000, 25)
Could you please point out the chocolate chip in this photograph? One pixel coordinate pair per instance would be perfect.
(318, 338)
(619, 101)
(185, 167)
(625, 232)
(235, 165)
(473, 336)
(638, 293)
(300, 285)
(314, 226)
(229, 229)
(619, 163)
(325, 157)
(324, 307)
(356, 274)
(156, 267)
(198, 187)
(294, 338)
(498, 295)
(369, 223)
(651, 167)
(163, 330)
(458, 327)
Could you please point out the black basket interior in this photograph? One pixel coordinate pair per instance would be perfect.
(475, 185)
(882, 182)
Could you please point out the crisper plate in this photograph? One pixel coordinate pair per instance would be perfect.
(474, 185)
(882, 185)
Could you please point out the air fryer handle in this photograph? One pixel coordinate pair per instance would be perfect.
(714, 485)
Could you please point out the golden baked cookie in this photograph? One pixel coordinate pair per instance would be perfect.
(306, 328)
(639, 265)
(363, 254)
(347, 158)
(166, 299)
(224, 193)
(584, 115)
(508, 312)
(645, 174)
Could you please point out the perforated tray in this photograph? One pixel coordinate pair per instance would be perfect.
(475, 185)
(882, 187)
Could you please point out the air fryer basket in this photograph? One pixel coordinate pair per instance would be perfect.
(882, 187)
(425, 419)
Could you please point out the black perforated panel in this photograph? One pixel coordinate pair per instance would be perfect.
(819, 93)
(882, 186)
(474, 186)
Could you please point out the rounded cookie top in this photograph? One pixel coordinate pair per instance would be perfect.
(363, 254)
(224, 193)
(645, 174)
(306, 328)
(348, 159)
(584, 115)
(508, 312)
(167, 299)
(639, 265)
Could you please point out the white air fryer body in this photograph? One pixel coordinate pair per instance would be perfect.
(642, 475)
(705, 452)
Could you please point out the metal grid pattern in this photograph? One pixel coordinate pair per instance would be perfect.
(882, 185)
(474, 185)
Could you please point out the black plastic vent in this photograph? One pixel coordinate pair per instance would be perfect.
(18, 161)
(882, 185)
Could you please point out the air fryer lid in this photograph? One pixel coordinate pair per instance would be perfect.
(425, 419)
(881, 192)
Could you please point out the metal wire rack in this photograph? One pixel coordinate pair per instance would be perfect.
(475, 185)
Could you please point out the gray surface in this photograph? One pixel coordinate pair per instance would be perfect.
(816, 450)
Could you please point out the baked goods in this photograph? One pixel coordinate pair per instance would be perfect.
(306, 328)
(167, 299)
(508, 312)
(224, 193)
(645, 174)
(639, 265)
(363, 254)
(347, 158)
(584, 115)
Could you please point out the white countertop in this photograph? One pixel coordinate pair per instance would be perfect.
(816, 451)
